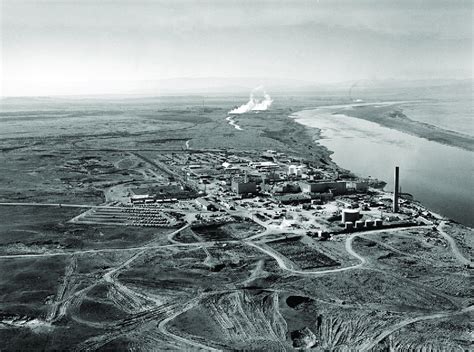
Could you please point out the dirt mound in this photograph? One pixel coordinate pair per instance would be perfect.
(303, 338)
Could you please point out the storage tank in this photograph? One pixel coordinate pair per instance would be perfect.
(350, 215)
(359, 225)
(378, 223)
(369, 223)
(348, 226)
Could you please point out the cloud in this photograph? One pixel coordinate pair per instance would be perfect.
(395, 18)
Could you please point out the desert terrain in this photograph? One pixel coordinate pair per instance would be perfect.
(84, 268)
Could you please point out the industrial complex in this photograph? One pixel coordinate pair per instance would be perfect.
(169, 237)
(198, 186)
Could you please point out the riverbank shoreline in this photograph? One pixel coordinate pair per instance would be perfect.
(391, 115)
(308, 118)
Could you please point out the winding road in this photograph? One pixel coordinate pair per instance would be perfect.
(256, 241)
(280, 259)
(368, 345)
(452, 243)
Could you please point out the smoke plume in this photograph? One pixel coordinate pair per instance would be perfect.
(259, 101)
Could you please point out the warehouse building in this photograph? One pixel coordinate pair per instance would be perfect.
(243, 186)
(323, 187)
(263, 165)
(205, 204)
(293, 198)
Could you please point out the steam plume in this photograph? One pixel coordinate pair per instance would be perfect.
(259, 101)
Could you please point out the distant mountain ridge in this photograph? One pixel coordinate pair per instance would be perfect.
(233, 85)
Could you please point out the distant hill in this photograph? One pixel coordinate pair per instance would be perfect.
(243, 86)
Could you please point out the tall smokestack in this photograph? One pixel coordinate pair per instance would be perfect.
(395, 191)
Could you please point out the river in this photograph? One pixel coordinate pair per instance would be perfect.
(439, 176)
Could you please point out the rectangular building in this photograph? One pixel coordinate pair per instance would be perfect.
(243, 187)
(293, 198)
(323, 187)
(204, 204)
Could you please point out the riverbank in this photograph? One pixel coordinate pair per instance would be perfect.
(392, 116)
(368, 149)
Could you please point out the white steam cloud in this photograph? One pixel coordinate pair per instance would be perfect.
(259, 101)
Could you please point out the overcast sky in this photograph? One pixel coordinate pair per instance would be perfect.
(54, 47)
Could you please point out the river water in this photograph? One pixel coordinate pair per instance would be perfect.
(439, 176)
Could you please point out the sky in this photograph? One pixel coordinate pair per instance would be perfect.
(82, 47)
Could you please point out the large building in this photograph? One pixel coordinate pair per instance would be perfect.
(161, 192)
(243, 186)
(358, 186)
(284, 188)
(292, 198)
(263, 165)
(324, 187)
(350, 215)
(297, 170)
(204, 204)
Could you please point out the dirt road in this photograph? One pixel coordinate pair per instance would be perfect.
(60, 205)
(452, 243)
(371, 344)
(282, 261)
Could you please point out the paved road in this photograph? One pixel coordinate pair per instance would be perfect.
(452, 243)
(167, 151)
(89, 206)
(60, 205)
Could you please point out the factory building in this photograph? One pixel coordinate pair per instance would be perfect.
(293, 198)
(204, 204)
(283, 188)
(321, 198)
(297, 170)
(139, 199)
(244, 186)
(228, 166)
(359, 186)
(263, 165)
(271, 176)
(323, 187)
(350, 215)
(163, 192)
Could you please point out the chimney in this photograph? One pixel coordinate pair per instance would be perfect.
(395, 190)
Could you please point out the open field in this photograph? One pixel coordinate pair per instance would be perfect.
(303, 256)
